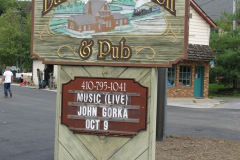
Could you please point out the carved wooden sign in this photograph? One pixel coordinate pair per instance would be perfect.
(104, 106)
(150, 33)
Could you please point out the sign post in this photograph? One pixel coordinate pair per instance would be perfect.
(107, 52)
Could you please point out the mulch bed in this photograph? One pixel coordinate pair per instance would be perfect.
(184, 148)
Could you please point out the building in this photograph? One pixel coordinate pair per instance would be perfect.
(97, 17)
(190, 77)
(215, 8)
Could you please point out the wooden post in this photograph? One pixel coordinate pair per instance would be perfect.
(161, 103)
(82, 146)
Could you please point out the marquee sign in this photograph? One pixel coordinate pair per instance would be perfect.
(104, 106)
(151, 33)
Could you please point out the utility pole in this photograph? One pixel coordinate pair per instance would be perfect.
(21, 45)
(235, 7)
(21, 27)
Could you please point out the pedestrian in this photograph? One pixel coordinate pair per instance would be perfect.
(8, 79)
(46, 76)
(40, 78)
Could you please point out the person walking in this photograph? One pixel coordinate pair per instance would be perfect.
(8, 79)
(40, 78)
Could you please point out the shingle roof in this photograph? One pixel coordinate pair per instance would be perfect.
(118, 16)
(200, 52)
(201, 12)
(96, 6)
(214, 8)
(83, 19)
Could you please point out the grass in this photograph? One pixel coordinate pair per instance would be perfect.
(216, 87)
(219, 90)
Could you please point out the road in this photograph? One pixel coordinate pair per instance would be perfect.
(27, 124)
(212, 122)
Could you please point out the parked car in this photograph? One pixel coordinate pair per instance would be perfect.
(2, 71)
(13, 69)
(24, 76)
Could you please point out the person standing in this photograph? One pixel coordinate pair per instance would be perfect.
(8, 79)
(46, 76)
(40, 78)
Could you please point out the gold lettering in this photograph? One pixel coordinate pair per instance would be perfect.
(169, 5)
(115, 55)
(102, 54)
(172, 5)
(161, 3)
(118, 52)
(47, 5)
(126, 49)
(85, 49)
(56, 2)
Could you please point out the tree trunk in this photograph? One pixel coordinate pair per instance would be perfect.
(235, 83)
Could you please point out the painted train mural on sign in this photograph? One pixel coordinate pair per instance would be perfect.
(84, 18)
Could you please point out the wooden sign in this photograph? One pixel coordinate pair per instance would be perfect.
(150, 33)
(104, 106)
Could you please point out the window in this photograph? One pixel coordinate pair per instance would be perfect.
(110, 23)
(80, 28)
(121, 22)
(84, 27)
(72, 25)
(116, 21)
(125, 20)
(89, 27)
(185, 76)
(171, 82)
(106, 23)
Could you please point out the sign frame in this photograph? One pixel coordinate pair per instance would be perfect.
(122, 63)
(142, 110)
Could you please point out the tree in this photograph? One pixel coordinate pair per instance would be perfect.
(11, 34)
(226, 46)
(7, 4)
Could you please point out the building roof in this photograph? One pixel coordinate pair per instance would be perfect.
(199, 10)
(83, 19)
(96, 6)
(214, 8)
(118, 16)
(200, 52)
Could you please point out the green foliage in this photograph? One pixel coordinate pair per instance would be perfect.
(6, 5)
(125, 2)
(13, 40)
(220, 90)
(115, 8)
(216, 87)
(75, 7)
(226, 45)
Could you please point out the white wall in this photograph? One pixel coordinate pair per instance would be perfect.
(55, 71)
(36, 64)
(199, 29)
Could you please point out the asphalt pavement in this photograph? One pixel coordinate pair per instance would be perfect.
(215, 118)
(203, 122)
(27, 121)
